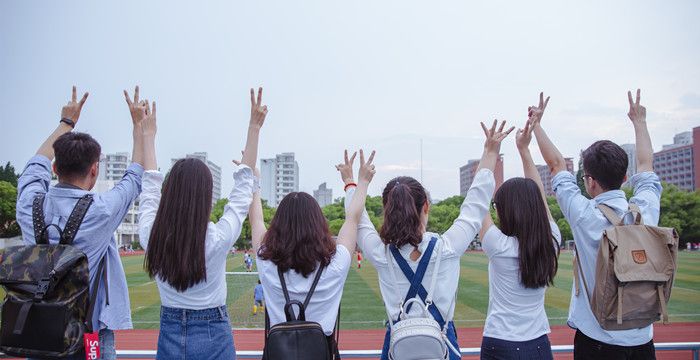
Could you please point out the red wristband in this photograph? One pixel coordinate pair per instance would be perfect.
(349, 185)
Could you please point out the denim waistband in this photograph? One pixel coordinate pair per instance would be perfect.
(217, 313)
(502, 342)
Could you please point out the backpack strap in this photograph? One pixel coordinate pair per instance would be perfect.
(38, 219)
(75, 219)
(577, 264)
(610, 214)
(302, 306)
(101, 272)
(636, 213)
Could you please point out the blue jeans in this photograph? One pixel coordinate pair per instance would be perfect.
(107, 351)
(195, 334)
(451, 336)
(497, 349)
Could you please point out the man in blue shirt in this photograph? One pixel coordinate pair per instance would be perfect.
(259, 298)
(605, 168)
(77, 167)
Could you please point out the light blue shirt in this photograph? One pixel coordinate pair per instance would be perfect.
(587, 225)
(259, 293)
(95, 236)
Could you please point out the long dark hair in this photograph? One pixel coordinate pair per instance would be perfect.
(403, 199)
(176, 246)
(298, 237)
(522, 214)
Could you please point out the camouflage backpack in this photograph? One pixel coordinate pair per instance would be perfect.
(47, 309)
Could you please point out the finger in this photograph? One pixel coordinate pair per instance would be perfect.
(541, 99)
(136, 94)
(347, 160)
(483, 127)
(371, 157)
(148, 107)
(638, 95)
(337, 167)
(546, 101)
(74, 97)
(260, 95)
(252, 97)
(629, 97)
(237, 162)
(503, 124)
(493, 127)
(362, 157)
(509, 131)
(352, 158)
(82, 101)
(264, 109)
(128, 101)
(526, 129)
(153, 110)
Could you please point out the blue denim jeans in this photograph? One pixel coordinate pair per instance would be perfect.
(497, 349)
(195, 334)
(107, 350)
(451, 336)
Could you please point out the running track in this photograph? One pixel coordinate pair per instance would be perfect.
(469, 337)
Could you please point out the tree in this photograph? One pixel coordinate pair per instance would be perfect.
(8, 201)
(579, 177)
(244, 241)
(565, 230)
(7, 173)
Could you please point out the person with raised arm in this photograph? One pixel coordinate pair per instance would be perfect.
(522, 254)
(298, 245)
(403, 241)
(76, 158)
(605, 168)
(186, 252)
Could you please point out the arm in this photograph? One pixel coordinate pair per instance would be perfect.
(257, 221)
(522, 141)
(258, 112)
(347, 236)
(139, 111)
(550, 153)
(475, 207)
(152, 179)
(485, 225)
(645, 152)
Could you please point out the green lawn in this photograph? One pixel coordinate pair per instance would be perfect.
(362, 306)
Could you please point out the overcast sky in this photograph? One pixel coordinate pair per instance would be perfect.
(374, 74)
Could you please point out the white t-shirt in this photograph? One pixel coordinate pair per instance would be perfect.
(323, 306)
(515, 313)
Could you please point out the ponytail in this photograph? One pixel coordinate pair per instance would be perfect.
(403, 200)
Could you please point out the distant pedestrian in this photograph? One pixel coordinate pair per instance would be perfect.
(359, 260)
(259, 298)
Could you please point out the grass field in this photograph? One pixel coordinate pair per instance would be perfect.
(362, 306)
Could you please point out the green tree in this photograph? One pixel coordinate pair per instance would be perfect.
(565, 230)
(244, 241)
(8, 200)
(7, 173)
(579, 178)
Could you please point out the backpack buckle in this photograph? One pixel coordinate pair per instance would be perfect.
(42, 288)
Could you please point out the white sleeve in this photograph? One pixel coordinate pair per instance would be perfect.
(231, 222)
(367, 236)
(148, 206)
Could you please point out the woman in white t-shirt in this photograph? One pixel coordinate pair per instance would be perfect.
(522, 263)
(406, 208)
(299, 243)
(186, 253)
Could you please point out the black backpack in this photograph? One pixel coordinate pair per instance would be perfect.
(298, 339)
(47, 307)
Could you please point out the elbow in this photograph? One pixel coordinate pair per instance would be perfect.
(556, 165)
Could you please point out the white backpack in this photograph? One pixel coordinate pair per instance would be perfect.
(418, 336)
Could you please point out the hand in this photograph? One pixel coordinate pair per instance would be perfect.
(136, 108)
(258, 111)
(346, 168)
(366, 168)
(494, 137)
(637, 113)
(149, 126)
(524, 136)
(534, 113)
(72, 110)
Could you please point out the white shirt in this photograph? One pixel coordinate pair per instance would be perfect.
(219, 239)
(456, 240)
(324, 302)
(515, 312)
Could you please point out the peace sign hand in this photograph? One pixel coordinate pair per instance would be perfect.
(494, 137)
(366, 168)
(346, 168)
(137, 107)
(258, 111)
(637, 113)
(534, 113)
(72, 110)
(524, 136)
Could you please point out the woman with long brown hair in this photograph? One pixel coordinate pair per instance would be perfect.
(404, 242)
(186, 253)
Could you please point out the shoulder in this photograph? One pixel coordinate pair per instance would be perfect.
(496, 243)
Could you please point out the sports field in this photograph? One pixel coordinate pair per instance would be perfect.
(362, 306)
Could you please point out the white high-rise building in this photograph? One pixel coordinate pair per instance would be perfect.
(112, 169)
(280, 176)
(215, 173)
(113, 166)
(631, 150)
(323, 195)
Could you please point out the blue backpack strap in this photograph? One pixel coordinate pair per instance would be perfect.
(416, 278)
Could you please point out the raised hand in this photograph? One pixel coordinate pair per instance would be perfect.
(346, 168)
(524, 136)
(71, 111)
(494, 137)
(637, 113)
(366, 168)
(148, 124)
(137, 107)
(258, 111)
(534, 113)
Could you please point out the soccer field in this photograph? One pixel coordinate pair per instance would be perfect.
(362, 306)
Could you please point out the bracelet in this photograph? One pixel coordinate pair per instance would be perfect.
(349, 185)
(68, 121)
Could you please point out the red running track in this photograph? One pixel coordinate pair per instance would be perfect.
(468, 337)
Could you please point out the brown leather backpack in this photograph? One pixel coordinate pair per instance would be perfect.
(634, 272)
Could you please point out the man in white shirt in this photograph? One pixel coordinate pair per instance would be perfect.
(605, 166)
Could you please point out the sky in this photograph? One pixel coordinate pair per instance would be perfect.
(378, 75)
